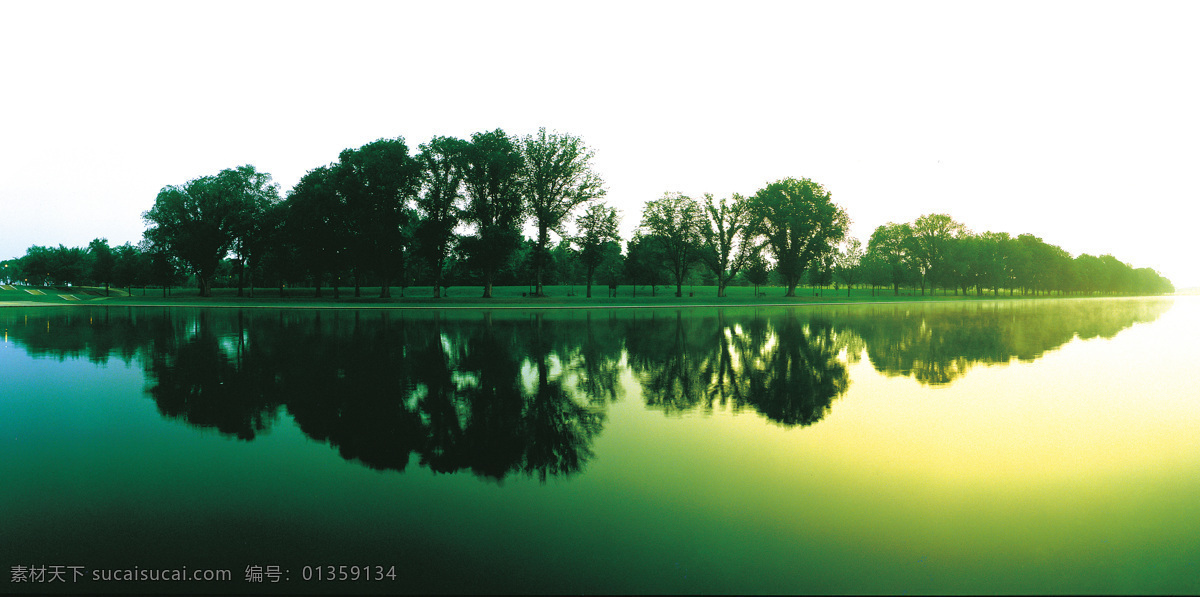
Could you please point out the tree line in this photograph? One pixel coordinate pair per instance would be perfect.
(453, 212)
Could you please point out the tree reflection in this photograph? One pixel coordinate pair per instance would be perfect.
(505, 393)
(784, 367)
(936, 344)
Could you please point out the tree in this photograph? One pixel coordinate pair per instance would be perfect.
(931, 236)
(53, 266)
(439, 203)
(378, 181)
(129, 267)
(317, 225)
(875, 269)
(598, 228)
(728, 235)
(893, 245)
(757, 272)
(675, 220)
(847, 261)
(200, 221)
(557, 178)
(102, 262)
(801, 224)
(644, 261)
(610, 271)
(492, 168)
(256, 195)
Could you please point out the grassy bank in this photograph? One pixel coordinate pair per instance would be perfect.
(469, 297)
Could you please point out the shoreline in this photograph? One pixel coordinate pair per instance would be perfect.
(460, 304)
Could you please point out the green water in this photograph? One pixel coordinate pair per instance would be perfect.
(982, 447)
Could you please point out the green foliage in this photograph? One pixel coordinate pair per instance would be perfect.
(644, 261)
(728, 232)
(847, 262)
(675, 221)
(892, 244)
(598, 230)
(439, 204)
(801, 224)
(201, 221)
(379, 181)
(492, 168)
(557, 178)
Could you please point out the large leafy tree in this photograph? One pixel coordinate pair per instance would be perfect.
(492, 167)
(379, 181)
(315, 224)
(439, 204)
(598, 229)
(252, 230)
(728, 233)
(200, 221)
(801, 224)
(558, 178)
(675, 220)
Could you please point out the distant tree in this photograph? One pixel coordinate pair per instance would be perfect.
(492, 168)
(645, 261)
(128, 266)
(931, 236)
(820, 273)
(800, 222)
(10, 270)
(610, 271)
(55, 266)
(675, 220)
(156, 267)
(875, 269)
(102, 262)
(847, 262)
(438, 204)
(598, 228)
(893, 245)
(992, 260)
(757, 272)
(727, 231)
(557, 178)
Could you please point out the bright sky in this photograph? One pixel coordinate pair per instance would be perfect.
(1078, 122)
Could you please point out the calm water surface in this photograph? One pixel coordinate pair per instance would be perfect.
(1023, 446)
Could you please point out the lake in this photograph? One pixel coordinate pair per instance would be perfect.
(992, 446)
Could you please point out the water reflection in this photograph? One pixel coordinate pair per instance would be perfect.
(504, 393)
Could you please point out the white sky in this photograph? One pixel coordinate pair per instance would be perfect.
(1078, 122)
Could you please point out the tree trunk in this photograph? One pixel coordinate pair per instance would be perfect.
(539, 259)
(791, 286)
(589, 281)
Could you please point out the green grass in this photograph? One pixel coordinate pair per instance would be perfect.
(470, 297)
